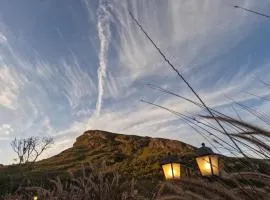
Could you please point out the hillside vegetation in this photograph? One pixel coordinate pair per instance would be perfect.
(104, 158)
(128, 154)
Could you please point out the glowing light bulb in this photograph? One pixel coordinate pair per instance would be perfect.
(207, 166)
(170, 174)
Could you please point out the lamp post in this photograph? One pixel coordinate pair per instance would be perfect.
(207, 161)
(171, 167)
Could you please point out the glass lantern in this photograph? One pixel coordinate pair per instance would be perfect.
(171, 168)
(207, 161)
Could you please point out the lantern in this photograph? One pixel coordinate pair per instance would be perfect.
(207, 161)
(171, 168)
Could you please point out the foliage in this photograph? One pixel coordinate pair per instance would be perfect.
(96, 183)
(93, 183)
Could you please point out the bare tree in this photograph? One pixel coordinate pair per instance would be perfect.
(29, 149)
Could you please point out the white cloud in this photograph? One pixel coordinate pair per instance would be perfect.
(76, 84)
(213, 25)
(182, 38)
(12, 83)
(59, 98)
(3, 38)
(6, 130)
(104, 34)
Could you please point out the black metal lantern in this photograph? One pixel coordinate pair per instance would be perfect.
(207, 161)
(171, 167)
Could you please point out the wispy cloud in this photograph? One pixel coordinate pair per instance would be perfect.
(6, 129)
(104, 33)
(12, 83)
(62, 96)
(3, 38)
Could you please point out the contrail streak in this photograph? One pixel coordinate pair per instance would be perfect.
(104, 34)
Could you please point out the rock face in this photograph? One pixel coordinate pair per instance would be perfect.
(128, 154)
(96, 139)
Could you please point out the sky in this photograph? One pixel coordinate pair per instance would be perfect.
(69, 66)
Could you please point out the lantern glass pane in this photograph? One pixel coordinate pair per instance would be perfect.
(205, 165)
(171, 170)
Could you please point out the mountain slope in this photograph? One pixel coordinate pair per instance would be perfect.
(128, 154)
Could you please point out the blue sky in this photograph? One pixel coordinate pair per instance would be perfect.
(67, 66)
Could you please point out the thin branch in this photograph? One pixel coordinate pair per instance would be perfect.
(254, 12)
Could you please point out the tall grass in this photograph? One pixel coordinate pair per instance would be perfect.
(96, 183)
(90, 183)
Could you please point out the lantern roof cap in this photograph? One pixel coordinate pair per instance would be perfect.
(204, 151)
(170, 159)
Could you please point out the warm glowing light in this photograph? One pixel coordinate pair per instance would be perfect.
(35, 198)
(171, 170)
(208, 165)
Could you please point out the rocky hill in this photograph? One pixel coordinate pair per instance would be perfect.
(128, 154)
